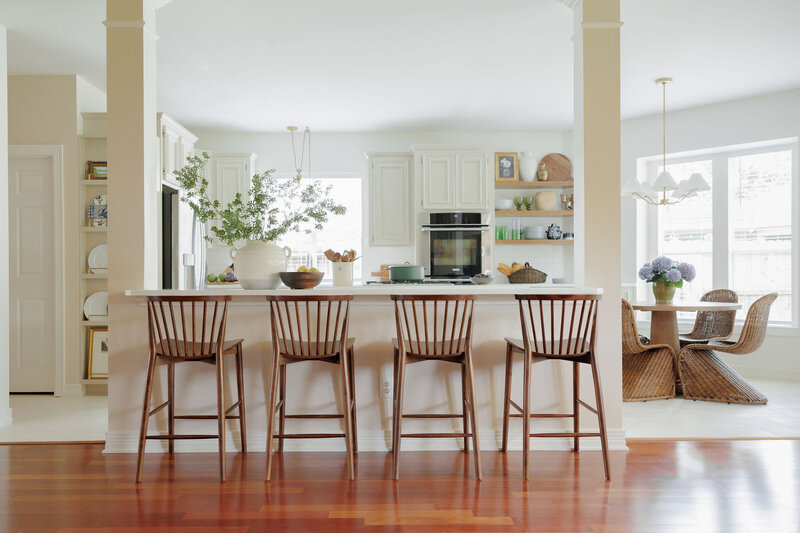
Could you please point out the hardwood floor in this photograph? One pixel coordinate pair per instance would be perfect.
(712, 486)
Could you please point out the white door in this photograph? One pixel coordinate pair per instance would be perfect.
(438, 181)
(471, 183)
(390, 206)
(32, 261)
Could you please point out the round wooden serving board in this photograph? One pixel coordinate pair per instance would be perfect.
(559, 167)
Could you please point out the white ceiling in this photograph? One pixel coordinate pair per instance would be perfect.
(369, 65)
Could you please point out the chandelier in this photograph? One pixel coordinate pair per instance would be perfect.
(306, 138)
(659, 192)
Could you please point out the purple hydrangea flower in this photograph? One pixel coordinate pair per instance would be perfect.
(662, 264)
(646, 272)
(673, 275)
(687, 270)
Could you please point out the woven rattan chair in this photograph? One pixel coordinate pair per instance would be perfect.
(712, 325)
(554, 327)
(183, 329)
(705, 376)
(311, 329)
(648, 370)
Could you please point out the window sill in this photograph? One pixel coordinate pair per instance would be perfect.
(777, 330)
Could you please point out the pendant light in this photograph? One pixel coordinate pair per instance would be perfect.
(306, 136)
(665, 183)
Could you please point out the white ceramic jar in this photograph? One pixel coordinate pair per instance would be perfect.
(343, 274)
(257, 263)
(527, 166)
(546, 201)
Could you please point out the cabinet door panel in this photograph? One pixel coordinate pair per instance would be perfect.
(231, 176)
(390, 202)
(471, 186)
(438, 176)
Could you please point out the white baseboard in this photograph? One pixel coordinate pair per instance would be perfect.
(368, 441)
(5, 417)
(73, 390)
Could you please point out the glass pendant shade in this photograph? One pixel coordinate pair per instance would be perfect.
(665, 181)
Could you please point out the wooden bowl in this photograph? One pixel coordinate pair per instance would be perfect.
(301, 280)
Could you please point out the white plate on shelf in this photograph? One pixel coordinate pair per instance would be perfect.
(95, 307)
(98, 259)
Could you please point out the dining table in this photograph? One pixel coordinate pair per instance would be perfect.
(664, 318)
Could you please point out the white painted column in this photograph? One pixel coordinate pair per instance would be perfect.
(597, 173)
(132, 197)
(5, 409)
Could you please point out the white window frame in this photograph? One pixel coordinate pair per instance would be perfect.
(720, 219)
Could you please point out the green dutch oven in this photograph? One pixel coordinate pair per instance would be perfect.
(407, 273)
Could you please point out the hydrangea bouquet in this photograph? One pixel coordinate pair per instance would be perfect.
(666, 274)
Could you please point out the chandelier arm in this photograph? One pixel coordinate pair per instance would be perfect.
(646, 198)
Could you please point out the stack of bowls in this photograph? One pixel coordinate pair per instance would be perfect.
(535, 232)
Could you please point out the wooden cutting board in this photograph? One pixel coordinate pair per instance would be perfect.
(384, 273)
(559, 167)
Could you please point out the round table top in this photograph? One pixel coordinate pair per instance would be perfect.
(686, 306)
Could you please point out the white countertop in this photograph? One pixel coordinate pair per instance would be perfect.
(384, 290)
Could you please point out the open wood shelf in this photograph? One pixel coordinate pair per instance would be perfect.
(94, 276)
(533, 213)
(533, 184)
(96, 381)
(90, 229)
(94, 183)
(535, 241)
(94, 323)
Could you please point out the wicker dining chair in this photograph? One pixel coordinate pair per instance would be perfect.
(183, 329)
(649, 371)
(560, 327)
(434, 328)
(712, 325)
(705, 376)
(311, 329)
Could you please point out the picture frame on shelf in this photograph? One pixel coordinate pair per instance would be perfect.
(97, 170)
(506, 166)
(98, 353)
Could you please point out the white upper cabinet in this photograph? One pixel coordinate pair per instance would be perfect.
(452, 179)
(177, 143)
(229, 174)
(390, 196)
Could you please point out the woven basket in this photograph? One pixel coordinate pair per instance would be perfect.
(527, 275)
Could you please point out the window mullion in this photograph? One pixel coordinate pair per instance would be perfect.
(721, 221)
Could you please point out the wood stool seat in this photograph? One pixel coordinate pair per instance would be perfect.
(311, 329)
(183, 329)
(434, 328)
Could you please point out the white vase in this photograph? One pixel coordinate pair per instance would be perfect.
(527, 166)
(257, 263)
(546, 201)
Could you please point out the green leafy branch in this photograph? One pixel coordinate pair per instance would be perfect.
(273, 207)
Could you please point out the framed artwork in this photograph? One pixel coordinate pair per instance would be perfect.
(97, 170)
(98, 353)
(505, 166)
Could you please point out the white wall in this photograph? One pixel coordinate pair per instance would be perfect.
(5, 411)
(344, 152)
(765, 117)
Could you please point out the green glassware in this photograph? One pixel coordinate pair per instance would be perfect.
(528, 201)
(518, 202)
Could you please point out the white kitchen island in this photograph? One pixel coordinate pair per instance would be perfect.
(432, 387)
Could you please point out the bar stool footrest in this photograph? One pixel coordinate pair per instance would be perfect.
(309, 436)
(435, 435)
(564, 435)
(176, 437)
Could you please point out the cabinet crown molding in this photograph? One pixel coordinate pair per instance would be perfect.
(446, 148)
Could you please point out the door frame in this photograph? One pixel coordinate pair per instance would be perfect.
(54, 152)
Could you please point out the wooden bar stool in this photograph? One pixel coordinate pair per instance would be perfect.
(191, 328)
(434, 328)
(311, 328)
(564, 330)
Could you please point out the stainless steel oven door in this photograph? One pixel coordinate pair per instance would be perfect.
(455, 252)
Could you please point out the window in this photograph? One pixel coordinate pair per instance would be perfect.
(741, 233)
(342, 232)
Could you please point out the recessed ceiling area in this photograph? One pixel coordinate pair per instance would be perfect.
(359, 65)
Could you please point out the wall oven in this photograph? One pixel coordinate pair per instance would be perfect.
(454, 244)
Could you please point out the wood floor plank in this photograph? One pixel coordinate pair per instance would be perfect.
(742, 486)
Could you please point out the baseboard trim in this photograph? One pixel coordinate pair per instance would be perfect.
(368, 441)
(73, 390)
(6, 418)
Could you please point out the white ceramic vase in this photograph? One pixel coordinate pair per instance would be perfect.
(546, 201)
(528, 166)
(257, 263)
(343, 274)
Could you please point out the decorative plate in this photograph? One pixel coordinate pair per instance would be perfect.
(95, 307)
(98, 259)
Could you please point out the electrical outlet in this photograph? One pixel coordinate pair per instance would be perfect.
(386, 388)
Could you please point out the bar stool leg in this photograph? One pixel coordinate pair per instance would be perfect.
(351, 363)
(395, 379)
(348, 426)
(474, 424)
(507, 397)
(240, 387)
(221, 414)
(171, 405)
(601, 417)
(398, 414)
(271, 412)
(576, 387)
(464, 408)
(282, 410)
(526, 412)
(148, 392)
